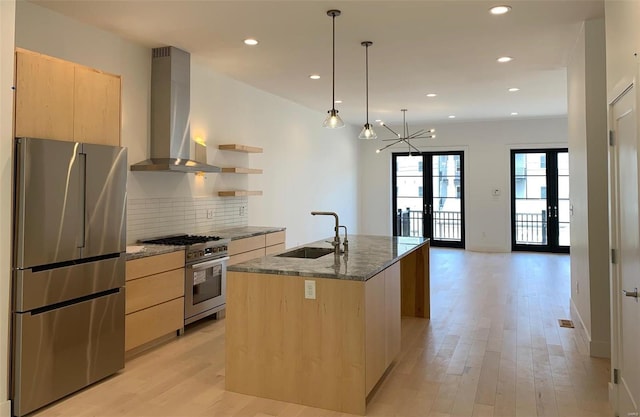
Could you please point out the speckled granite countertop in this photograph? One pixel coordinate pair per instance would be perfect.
(367, 256)
(151, 250)
(232, 233)
(242, 232)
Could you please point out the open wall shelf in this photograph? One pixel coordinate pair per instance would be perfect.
(240, 148)
(238, 193)
(238, 170)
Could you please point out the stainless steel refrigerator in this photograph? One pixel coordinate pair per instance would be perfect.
(68, 268)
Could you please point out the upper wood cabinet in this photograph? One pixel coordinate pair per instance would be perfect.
(56, 99)
(96, 107)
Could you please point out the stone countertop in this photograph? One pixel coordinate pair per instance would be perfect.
(242, 232)
(367, 256)
(150, 250)
(231, 233)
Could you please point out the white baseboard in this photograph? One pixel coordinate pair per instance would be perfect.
(597, 348)
(577, 319)
(5, 408)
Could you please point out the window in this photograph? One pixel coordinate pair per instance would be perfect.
(543, 192)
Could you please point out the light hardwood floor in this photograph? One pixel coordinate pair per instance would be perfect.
(492, 348)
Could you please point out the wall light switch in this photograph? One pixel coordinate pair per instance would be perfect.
(309, 289)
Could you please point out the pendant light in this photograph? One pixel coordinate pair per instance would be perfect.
(367, 131)
(333, 121)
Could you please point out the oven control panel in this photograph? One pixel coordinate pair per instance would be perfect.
(218, 251)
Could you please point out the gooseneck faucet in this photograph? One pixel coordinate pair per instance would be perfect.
(336, 239)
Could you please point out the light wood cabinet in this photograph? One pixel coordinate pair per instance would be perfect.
(57, 99)
(96, 107)
(241, 250)
(382, 323)
(154, 298)
(327, 352)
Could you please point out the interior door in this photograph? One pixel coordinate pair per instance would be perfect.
(540, 200)
(626, 237)
(428, 196)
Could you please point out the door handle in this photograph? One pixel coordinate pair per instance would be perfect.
(555, 211)
(633, 293)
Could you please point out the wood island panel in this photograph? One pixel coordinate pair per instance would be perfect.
(415, 283)
(375, 329)
(282, 346)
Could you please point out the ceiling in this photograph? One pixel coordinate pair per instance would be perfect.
(445, 47)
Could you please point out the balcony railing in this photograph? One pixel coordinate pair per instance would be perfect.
(447, 225)
(531, 228)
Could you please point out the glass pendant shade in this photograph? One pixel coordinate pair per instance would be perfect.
(333, 121)
(367, 132)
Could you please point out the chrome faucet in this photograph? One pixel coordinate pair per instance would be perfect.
(336, 239)
(346, 242)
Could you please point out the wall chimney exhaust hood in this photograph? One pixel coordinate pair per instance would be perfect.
(170, 101)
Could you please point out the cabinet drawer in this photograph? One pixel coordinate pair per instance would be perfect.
(246, 244)
(150, 265)
(151, 323)
(154, 289)
(270, 250)
(275, 238)
(246, 256)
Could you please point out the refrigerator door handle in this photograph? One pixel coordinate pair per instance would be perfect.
(82, 200)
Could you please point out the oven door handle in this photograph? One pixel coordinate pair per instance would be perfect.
(207, 264)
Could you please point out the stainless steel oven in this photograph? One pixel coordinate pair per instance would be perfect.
(205, 276)
(205, 288)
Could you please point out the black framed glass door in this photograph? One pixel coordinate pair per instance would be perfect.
(428, 196)
(540, 213)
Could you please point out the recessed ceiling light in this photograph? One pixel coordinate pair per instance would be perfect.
(338, 101)
(514, 89)
(378, 120)
(451, 116)
(503, 59)
(314, 76)
(431, 95)
(514, 113)
(251, 42)
(500, 9)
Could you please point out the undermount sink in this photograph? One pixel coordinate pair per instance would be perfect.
(307, 252)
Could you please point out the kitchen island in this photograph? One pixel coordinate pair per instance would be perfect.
(322, 332)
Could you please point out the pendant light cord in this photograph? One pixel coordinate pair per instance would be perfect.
(366, 54)
(333, 73)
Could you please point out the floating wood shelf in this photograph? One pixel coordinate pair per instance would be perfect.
(238, 193)
(240, 148)
(239, 170)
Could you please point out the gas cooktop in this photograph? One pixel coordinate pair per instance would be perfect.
(182, 240)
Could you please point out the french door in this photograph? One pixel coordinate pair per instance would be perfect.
(540, 208)
(428, 196)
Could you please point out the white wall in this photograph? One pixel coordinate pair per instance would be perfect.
(305, 166)
(486, 147)
(7, 24)
(589, 186)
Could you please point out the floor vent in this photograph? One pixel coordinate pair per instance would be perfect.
(566, 323)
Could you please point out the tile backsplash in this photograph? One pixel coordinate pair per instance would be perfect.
(155, 217)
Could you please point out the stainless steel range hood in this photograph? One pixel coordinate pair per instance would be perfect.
(170, 101)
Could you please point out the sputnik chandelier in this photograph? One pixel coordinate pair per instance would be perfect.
(406, 136)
